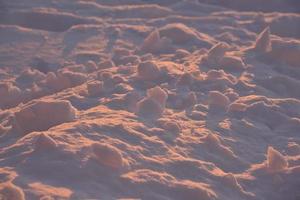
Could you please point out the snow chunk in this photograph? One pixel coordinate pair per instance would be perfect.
(108, 155)
(44, 142)
(149, 108)
(190, 100)
(181, 53)
(237, 107)
(148, 71)
(95, 88)
(218, 50)
(263, 42)
(154, 104)
(275, 160)
(217, 58)
(41, 115)
(217, 99)
(74, 78)
(214, 143)
(106, 64)
(151, 42)
(232, 63)
(155, 44)
(63, 80)
(131, 99)
(213, 140)
(29, 76)
(10, 95)
(158, 94)
(215, 54)
(185, 80)
(170, 126)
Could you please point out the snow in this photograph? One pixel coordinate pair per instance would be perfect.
(152, 100)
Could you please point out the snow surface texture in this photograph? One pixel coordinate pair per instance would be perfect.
(150, 99)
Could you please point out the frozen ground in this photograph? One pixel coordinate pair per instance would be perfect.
(151, 100)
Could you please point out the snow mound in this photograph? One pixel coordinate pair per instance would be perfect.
(275, 160)
(35, 115)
